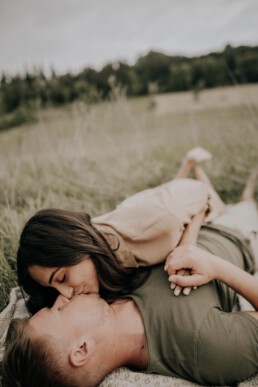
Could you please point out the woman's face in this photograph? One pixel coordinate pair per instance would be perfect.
(80, 278)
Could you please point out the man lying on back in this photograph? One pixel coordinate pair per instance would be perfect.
(79, 341)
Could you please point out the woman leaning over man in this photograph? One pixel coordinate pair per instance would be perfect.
(65, 252)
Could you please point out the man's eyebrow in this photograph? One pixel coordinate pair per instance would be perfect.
(52, 275)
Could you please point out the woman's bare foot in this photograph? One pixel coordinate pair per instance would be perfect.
(198, 155)
(191, 161)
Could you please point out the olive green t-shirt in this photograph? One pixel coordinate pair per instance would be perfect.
(198, 337)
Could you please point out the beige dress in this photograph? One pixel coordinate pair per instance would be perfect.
(150, 224)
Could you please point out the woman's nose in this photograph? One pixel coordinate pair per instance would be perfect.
(66, 291)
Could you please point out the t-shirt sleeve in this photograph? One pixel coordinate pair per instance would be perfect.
(227, 348)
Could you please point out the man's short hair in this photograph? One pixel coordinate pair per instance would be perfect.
(30, 361)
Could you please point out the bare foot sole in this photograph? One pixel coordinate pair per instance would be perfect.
(198, 155)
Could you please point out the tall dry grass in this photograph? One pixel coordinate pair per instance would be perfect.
(91, 157)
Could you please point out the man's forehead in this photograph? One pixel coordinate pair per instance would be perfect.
(39, 319)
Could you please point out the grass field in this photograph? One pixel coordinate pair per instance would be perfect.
(90, 157)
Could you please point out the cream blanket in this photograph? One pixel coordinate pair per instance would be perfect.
(122, 377)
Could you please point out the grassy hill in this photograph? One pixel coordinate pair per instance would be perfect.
(90, 157)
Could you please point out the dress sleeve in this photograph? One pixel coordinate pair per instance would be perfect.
(151, 222)
(147, 227)
(188, 197)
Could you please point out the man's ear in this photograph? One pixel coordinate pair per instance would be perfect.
(80, 355)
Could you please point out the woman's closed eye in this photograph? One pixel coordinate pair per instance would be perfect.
(62, 280)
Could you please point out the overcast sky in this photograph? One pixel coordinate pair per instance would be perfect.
(73, 34)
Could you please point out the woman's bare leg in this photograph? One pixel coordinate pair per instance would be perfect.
(191, 160)
(248, 194)
(201, 175)
(185, 169)
(250, 187)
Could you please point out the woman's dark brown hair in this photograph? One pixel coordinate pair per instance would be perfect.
(56, 238)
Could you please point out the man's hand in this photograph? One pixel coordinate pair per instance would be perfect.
(199, 265)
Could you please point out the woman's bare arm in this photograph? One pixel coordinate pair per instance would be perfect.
(189, 237)
(191, 232)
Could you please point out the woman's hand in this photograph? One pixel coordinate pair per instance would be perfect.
(181, 272)
(189, 237)
(190, 266)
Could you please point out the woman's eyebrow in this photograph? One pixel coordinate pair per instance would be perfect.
(52, 275)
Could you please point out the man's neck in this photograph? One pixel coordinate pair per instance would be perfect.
(129, 334)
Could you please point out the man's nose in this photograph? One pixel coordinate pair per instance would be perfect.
(60, 302)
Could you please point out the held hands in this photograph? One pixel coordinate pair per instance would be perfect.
(189, 266)
(180, 272)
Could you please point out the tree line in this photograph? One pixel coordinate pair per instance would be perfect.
(154, 72)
